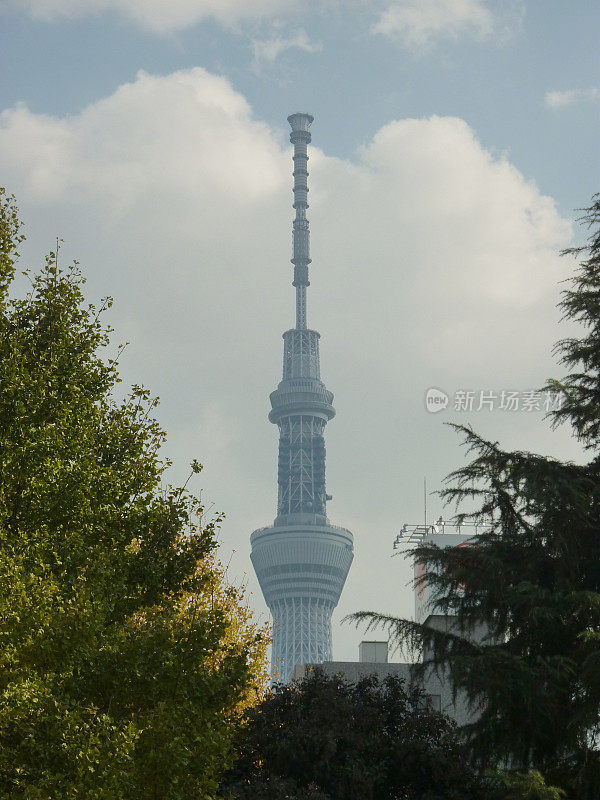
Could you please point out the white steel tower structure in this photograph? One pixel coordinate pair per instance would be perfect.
(301, 561)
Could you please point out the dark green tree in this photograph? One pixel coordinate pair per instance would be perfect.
(533, 580)
(123, 660)
(323, 738)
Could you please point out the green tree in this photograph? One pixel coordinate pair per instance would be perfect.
(323, 738)
(125, 661)
(533, 580)
(525, 786)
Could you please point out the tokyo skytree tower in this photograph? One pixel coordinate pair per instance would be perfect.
(301, 561)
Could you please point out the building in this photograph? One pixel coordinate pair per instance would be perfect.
(368, 666)
(301, 561)
(373, 656)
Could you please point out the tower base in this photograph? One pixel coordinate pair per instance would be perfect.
(301, 569)
(301, 634)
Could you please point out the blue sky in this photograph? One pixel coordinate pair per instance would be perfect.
(354, 82)
(453, 140)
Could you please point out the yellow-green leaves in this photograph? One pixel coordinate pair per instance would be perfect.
(124, 657)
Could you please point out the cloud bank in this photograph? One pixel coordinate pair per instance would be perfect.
(434, 264)
(184, 150)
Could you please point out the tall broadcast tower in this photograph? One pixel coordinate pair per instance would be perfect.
(301, 561)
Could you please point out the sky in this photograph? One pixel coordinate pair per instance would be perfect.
(453, 142)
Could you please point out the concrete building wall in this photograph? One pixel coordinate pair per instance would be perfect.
(374, 652)
(436, 688)
(457, 709)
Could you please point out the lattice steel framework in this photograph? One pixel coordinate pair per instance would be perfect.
(301, 466)
(302, 560)
(302, 629)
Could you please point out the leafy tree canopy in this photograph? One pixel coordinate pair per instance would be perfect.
(124, 656)
(326, 739)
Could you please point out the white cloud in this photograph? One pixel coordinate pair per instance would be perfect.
(556, 100)
(413, 22)
(434, 264)
(160, 16)
(119, 150)
(416, 23)
(269, 50)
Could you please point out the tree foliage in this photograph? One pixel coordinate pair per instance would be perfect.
(323, 738)
(533, 579)
(124, 657)
(581, 355)
(525, 786)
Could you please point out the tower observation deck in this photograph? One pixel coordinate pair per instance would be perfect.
(301, 561)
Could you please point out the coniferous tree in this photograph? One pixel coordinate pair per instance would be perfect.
(532, 580)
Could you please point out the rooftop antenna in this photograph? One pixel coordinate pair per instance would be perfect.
(425, 499)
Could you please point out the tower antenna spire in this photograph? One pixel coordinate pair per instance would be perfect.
(300, 137)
